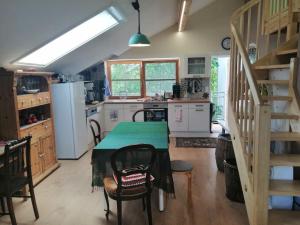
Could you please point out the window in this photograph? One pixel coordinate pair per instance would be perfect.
(160, 77)
(125, 79)
(134, 78)
(70, 40)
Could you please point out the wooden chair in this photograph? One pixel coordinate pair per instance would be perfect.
(143, 110)
(130, 160)
(97, 135)
(15, 175)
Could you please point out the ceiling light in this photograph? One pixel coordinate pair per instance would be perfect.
(138, 39)
(181, 15)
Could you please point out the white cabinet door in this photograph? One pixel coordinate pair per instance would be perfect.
(199, 117)
(178, 117)
(113, 114)
(130, 109)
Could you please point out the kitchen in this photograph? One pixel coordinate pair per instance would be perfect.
(166, 88)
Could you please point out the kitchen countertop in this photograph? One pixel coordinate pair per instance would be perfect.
(141, 100)
(88, 106)
(189, 100)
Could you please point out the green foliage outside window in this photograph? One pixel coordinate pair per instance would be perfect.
(126, 78)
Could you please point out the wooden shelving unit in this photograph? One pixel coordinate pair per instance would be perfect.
(16, 105)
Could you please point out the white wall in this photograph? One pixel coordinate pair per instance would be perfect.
(203, 35)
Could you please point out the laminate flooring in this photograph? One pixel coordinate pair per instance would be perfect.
(66, 197)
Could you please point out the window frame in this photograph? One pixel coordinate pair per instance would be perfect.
(113, 62)
(142, 63)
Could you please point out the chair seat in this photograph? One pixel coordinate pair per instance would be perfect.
(111, 188)
(14, 184)
(181, 166)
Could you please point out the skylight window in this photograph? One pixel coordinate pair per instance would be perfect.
(70, 40)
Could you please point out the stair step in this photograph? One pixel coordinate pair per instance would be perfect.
(277, 217)
(284, 116)
(277, 116)
(277, 98)
(285, 160)
(270, 67)
(285, 136)
(288, 52)
(285, 187)
(273, 82)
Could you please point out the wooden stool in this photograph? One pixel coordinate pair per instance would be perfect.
(180, 166)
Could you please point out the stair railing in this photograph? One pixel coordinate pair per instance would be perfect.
(249, 115)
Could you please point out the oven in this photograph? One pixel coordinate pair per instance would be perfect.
(160, 110)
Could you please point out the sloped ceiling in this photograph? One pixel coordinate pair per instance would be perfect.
(27, 25)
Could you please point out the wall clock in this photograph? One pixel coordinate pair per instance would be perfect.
(226, 43)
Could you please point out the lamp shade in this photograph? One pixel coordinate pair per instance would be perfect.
(138, 40)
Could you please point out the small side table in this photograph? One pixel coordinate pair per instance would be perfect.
(180, 166)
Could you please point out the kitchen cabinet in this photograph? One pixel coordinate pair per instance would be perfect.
(26, 109)
(199, 117)
(188, 118)
(130, 109)
(178, 117)
(197, 67)
(113, 114)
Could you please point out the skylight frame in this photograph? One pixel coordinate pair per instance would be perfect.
(24, 60)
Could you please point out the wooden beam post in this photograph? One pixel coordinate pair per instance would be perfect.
(261, 164)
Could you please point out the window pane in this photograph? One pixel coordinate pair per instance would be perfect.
(126, 88)
(125, 71)
(159, 87)
(70, 40)
(166, 70)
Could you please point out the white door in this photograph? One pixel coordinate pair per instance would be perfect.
(199, 117)
(178, 117)
(130, 109)
(79, 118)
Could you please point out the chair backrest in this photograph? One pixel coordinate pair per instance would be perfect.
(96, 134)
(17, 159)
(133, 159)
(143, 110)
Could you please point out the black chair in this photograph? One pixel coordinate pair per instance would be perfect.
(97, 136)
(15, 174)
(143, 111)
(130, 160)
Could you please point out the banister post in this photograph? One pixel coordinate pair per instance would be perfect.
(261, 164)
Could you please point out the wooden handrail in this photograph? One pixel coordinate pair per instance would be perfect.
(248, 68)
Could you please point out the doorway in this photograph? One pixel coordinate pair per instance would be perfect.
(219, 89)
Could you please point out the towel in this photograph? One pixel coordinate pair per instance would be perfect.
(178, 115)
(107, 91)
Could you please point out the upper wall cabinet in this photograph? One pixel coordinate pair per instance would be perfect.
(197, 67)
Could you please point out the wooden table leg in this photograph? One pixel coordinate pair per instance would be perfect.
(161, 200)
(189, 176)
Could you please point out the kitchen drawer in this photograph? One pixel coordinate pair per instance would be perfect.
(32, 100)
(198, 105)
(37, 130)
(133, 106)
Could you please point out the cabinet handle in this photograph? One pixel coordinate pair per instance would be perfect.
(42, 155)
(46, 127)
(199, 110)
(178, 105)
(199, 105)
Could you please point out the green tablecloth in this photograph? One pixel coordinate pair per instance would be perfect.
(130, 133)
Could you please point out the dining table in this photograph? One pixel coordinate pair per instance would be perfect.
(132, 133)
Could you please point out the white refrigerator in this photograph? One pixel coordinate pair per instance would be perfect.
(69, 119)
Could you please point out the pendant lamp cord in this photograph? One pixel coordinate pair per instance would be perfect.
(136, 6)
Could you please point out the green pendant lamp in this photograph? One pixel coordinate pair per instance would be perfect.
(138, 39)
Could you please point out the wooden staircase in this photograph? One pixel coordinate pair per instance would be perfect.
(258, 90)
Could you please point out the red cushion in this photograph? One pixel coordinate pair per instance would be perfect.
(133, 180)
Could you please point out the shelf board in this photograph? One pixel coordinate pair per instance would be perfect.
(34, 124)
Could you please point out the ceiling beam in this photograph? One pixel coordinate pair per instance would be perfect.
(184, 10)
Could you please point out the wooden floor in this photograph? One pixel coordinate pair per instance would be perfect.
(65, 198)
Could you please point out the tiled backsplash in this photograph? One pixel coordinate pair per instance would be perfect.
(194, 87)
